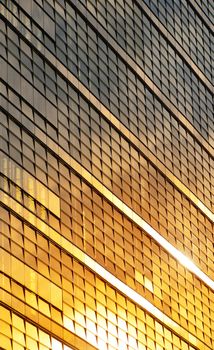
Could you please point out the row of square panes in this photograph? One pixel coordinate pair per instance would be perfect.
(150, 197)
(150, 124)
(44, 337)
(19, 334)
(87, 139)
(36, 69)
(48, 178)
(52, 262)
(84, 222)
(84, 37)
(28, 201)
(72, 319)
(77, 215)
(186, 15)
(85, 142)
(94, 47)
(208, 8)
(154, 144)
(186, 9)
(111, 325)
(29, 28)
(125, 16)
(55, 223)
(150, 251)
(56, 266)
(75, 200)
(188, 29)
(36, 339)
(85, 81)
(122, 27)
(123, 111)
(40, 21)
(79, 343)
(189, 316)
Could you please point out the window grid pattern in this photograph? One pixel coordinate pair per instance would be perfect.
(88, 57)
(79, 285)
(126, 172)
(111, 159)
(61, 301)
(19, 334)
(189, 30)
(161, 62)
(207, 7)
(120, 20)
(101, 233)
(158, 129)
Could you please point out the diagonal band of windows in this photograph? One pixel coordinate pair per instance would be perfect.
(101, 271)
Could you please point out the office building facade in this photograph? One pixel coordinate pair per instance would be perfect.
(106, 175)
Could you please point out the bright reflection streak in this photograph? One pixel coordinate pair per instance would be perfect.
(177, 254)
(138, 220)
(154, 234)
(101, 271)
